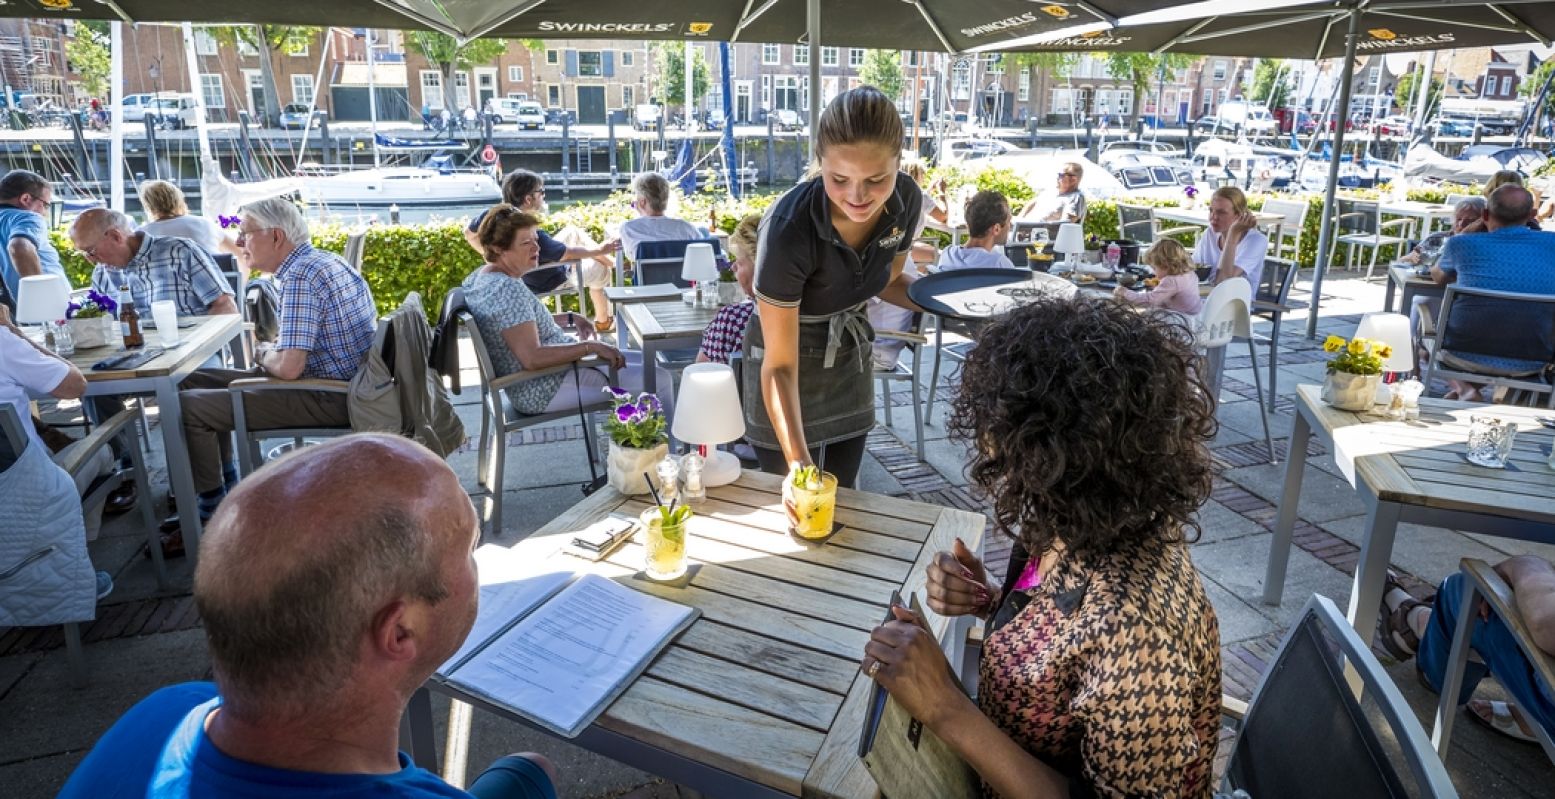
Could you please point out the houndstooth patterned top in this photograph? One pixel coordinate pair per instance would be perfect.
(1111, 674)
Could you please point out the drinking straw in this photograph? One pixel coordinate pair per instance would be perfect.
(653, 490)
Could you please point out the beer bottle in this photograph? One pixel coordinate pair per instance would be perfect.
(129, 320)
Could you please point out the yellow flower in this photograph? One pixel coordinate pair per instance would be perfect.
(1384, 352)
(1358, 346)
(1333, 344)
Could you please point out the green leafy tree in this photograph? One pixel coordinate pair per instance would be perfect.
(450, 57)
(670, 81)
(1404, 93)
(88, 56)
(1271, 82)
(1141, 70)
(1533, 84)
(883, 70)
(270, 41)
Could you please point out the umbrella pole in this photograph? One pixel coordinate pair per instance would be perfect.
(813, 27)
(1326, 230)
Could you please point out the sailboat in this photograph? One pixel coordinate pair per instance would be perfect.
(434, 182)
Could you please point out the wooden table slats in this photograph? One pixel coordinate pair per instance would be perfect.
(197, 339)
(671, 319)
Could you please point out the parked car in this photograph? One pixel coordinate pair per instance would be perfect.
(1252, 119)
(1452, 127)
(787, 119)
(295, 116)
(529, 116)
(647, 116)
(135, 106)
(177, 111)
(502, 109)
(1392, 126)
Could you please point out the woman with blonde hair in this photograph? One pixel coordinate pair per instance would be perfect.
(1233, 245)
(169, 215)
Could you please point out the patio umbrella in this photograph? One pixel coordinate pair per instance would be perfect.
(1306, 29)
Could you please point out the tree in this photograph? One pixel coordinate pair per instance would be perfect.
(270, 41)
(88, 56)
(671, 60)
(1533, 84)
(450, 57)
(1140, 70)
(882, 69)
(1271, 83)
(1404, 91)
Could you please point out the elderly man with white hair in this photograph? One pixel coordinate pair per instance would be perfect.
(327, 323)
(651, 198)
(154, 268)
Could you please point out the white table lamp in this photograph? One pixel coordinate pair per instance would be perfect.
(1070, 241)
(41, 299)
(700, 264)
(708, 413)
(1391, 329)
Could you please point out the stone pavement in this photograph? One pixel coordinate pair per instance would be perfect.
(145, 638)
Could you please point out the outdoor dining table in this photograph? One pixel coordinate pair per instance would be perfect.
(1403, 279)
(1415, 472)
(1428, 213)
(1271, 224)
(161, 375)
(762, 695)
(654, 327)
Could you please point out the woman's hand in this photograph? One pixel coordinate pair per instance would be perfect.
(1243, 223)
(788, 491)
(584, 326)
(958, 583)
(912, 668)
(605, 352)
(609, 247)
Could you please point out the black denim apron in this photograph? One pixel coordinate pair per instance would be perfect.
(836, 389)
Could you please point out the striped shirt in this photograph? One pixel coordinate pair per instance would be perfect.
(166, 268)
(326, 310)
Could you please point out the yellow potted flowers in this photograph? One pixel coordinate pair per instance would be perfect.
(1354, 373)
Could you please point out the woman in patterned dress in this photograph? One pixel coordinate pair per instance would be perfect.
(726, 333)
(1100, 675)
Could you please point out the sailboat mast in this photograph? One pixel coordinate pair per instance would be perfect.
(372, 97)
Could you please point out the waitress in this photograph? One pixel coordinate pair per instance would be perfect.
(827, 246)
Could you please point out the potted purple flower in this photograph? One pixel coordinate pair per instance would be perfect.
(637, 439)
(1192, 193)
(93, 320)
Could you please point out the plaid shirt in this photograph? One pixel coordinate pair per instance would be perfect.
(166, 268)
(326, 310)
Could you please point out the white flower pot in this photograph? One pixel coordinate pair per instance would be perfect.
(97, 331)
(626, 465)
(1350, 392)
(729, 293)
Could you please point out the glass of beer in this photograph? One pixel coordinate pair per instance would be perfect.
(665, 531)
(815, 502)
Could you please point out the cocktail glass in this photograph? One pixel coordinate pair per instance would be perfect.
(816, 506)
(666, 546)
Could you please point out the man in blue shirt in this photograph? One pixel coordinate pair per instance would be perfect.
(1510, 257)
(332, 584)
(25, 248)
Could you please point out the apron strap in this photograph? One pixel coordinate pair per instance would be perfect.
(171, 776)
(852, 323)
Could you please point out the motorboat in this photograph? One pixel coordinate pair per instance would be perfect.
(399, 185)
(1474, 165)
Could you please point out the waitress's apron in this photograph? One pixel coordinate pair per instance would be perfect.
(836, 389)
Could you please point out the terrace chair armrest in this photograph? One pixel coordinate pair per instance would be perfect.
(1401, 221)
(902, 335)
(1231, 707)
(1498, 595)
(532, 374)
(1177, 231)
(75, 457)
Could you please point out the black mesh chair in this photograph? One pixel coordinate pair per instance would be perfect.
(1271, 300)
(1308, 733)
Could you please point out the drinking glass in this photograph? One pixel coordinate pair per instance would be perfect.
(815, 508)
(666, 545)
(165, 314)
(1490, 441)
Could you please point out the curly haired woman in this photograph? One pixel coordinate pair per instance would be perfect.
(1101, 672)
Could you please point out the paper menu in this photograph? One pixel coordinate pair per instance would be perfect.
(510, 587)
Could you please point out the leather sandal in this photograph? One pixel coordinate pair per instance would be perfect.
(1501, 719)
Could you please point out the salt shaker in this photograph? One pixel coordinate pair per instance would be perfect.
(691, 478)
(669, 479)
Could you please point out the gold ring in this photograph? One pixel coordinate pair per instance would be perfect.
(873, 667)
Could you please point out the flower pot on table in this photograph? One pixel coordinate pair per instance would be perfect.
(96, 331)
(626, 466)
(1350, 392)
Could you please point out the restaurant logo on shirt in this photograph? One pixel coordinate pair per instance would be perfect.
(894, 238)
(1385, 39)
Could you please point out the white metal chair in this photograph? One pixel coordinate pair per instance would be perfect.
(1227, 317)
(899, 372)
(498, 418)
(1532, 316)
(1132, 221)
(1359, 224)
(1480, 581)
(1295, 214)
(1454, 199)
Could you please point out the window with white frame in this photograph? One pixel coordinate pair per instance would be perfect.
(769, 54)
(1506, 84)
(766, 91)
(1220, 70)
(210, 88)
(855, 57)
(627, 58)
(1023, 85)
(245, 49)
(628, 96)
(786, 94)
(515, 74)
(302, 89)
(994, 65)
(550, 57)
(1104, 100)
(1061, 101)
(204, 43)
(432, 88)
(461, 89)
(297, 47)
(801, 55)
(960, 81)
(1220, 97)
(828, 56)
(1125, 101)
(553, 95)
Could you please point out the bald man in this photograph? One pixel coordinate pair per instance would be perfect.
(153, 267)
(331, 583)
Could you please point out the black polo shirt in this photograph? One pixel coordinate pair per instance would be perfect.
(802, 262)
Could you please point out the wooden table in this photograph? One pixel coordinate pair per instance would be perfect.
(761, 696)
(1402, 276)
(656, 326)
(1200, 216)
(162, 375)
(1414, 473)
(627, 295)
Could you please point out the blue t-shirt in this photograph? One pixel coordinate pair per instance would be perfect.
(125, 758)
(1517, 259)
(19, 223)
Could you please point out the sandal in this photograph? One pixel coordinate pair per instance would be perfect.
(1397, 636)
(604, 325)
(1501, 719)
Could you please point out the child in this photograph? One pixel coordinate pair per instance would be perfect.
(1178, 289)
(988, 224)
